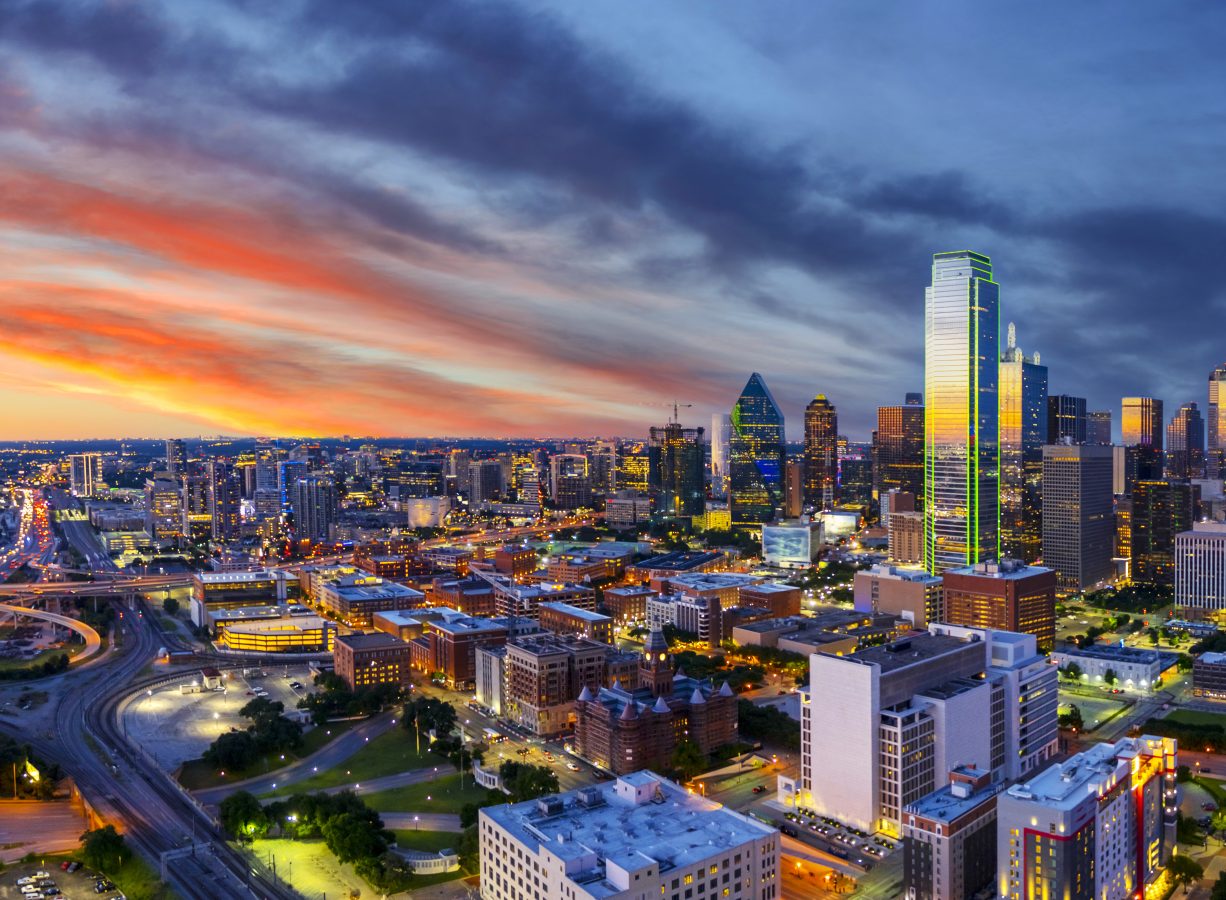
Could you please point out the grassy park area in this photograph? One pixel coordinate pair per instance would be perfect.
(441, 795)
(388, 754)
(197, 774)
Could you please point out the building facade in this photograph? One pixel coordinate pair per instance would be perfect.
(1100, 824)
(1141, 422)
(640, 837)
(363, 660)
(898, 449)
(1078, 515)
(1066, 419)
(1023, 428)
(1004, 595)
(961, 450)
(678, 470)
(756, 455)
(821, 467)
(949, 839)
(1160, 511)
(1200, 570)
(1185, 443)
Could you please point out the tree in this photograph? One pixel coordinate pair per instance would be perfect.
(688, 759)
(232, 750)
(170, 605)
(430, 714)
(1183, 774)
(468, 848)
(1072, 671)
(243, 817)
(1072, 719)
(1184, 870)
(527, 782)
(104, 849)
(1110, 678)
(353, 836)
(1219, 888)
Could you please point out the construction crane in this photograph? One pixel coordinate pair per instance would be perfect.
(676, 407)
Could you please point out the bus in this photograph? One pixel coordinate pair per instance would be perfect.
(493, 736)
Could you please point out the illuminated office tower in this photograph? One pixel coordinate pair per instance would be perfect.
(961, 450)
(633, 468)
(225, 500)
(1023, 428)
(1215, 428)
(676, 479)
(821, 453)
(84, 473)
(485, 482)
(721, 435)
(1078, 519)
(1185, 443)
(755, 455)
(176, 457)
(898, 448)
(1160, 511)
(1141, 422)
(602, 466)
(315, 505)
(1098, 427)
(1066, 419)
(793, 488)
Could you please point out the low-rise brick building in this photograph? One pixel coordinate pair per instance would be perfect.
(362, 660)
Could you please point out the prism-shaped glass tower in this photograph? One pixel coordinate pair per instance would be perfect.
(755, 455)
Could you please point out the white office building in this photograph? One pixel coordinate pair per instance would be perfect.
(1200, 568)
(883, 727)
(640, 837)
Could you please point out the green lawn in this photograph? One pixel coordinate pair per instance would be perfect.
(8, 664)
(198, 775)
(390, 753)
(314, 872)
(443, 792)
(427, 841)
(136, 878)
(1193, 717)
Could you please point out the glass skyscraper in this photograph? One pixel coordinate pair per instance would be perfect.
(1023, 429)
(961, 431)
(821, 470)
(1185, 443)
(1215, 426)
(755, 455)
(677, 470)
(1141, 422)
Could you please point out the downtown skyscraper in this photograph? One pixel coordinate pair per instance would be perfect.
(898, 448)
(961, 425)
(821, 468)
(755, 455)
(676, 478)
(1185, 443)
(1141, 422)
(1215, 427)
(1023, 429)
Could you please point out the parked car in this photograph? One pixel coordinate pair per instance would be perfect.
(759, 789)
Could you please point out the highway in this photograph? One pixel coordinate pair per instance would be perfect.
(93, 641)
(123, 785)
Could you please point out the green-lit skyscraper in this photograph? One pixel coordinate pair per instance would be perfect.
(755, 455)
(961, 422)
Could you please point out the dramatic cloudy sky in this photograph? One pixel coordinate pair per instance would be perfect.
(445, 218)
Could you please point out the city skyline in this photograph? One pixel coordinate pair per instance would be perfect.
(289, 258)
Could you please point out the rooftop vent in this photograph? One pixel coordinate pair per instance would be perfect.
(550, 806)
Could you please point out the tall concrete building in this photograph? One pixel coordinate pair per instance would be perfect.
(315, 504)
(1185, 443)
(1160, 511)
(1098, 426)
(224, 501)
(898, 448)
(1141, 422)
(794, 488)
(84, 474)
(1078, 514)
(176, 457)
(911, 711)
(821, 453)
(961, 450)
(1215, 426)
(678, 459)
(1006, 595)
(755, 455)
(1200, 570)
(485, 482)
(1023, 430)
(1100, 824)
(163, 507)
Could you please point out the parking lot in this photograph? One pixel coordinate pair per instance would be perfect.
(76, 885)
(175, 727)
